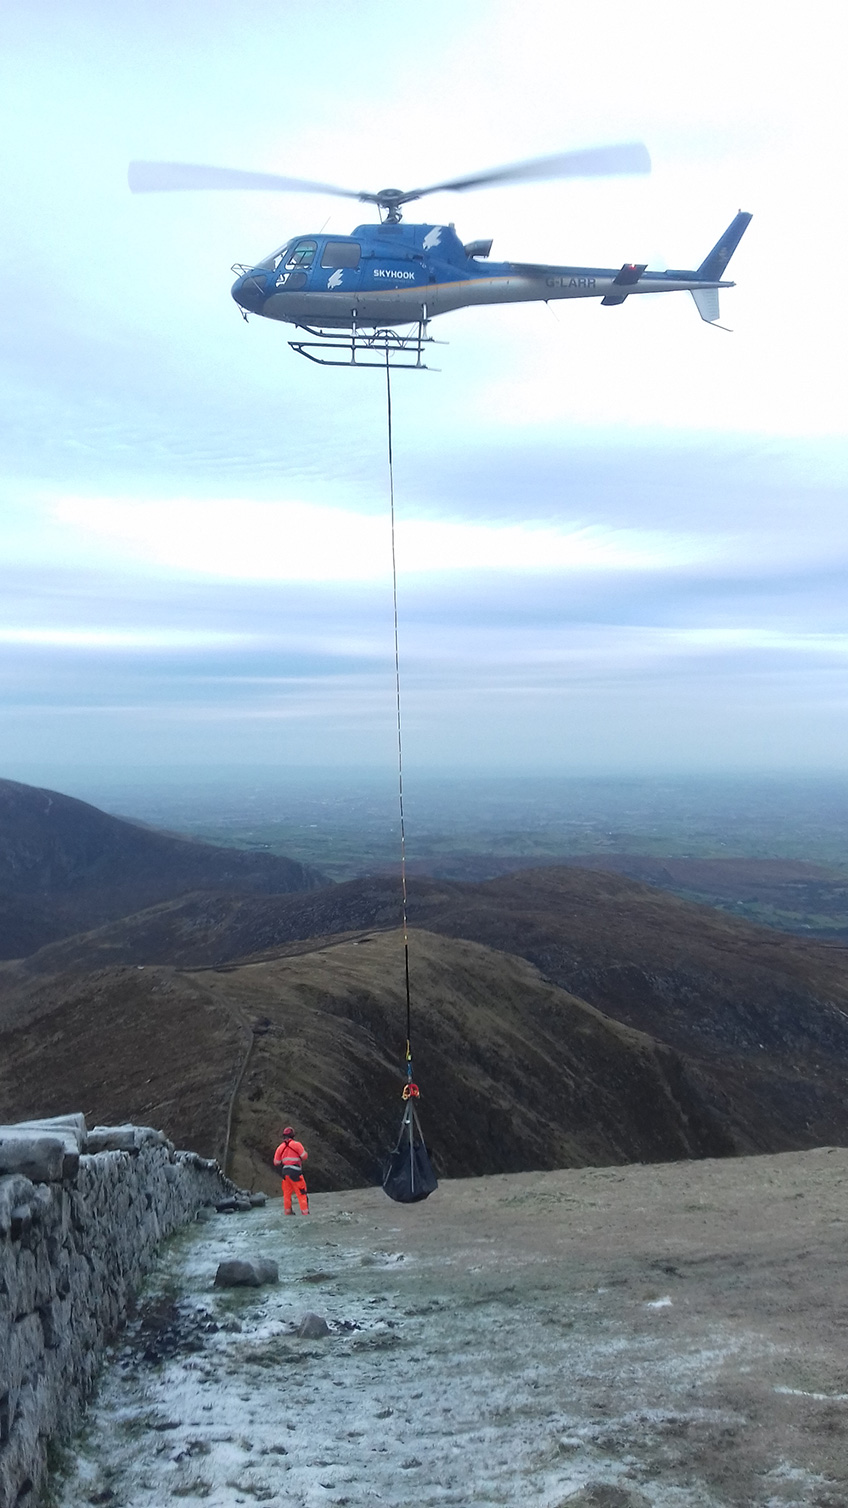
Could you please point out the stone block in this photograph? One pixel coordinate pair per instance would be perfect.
(38, 1157)
(69, 1128)
(123, 1138)
(73, 1123)
(54, 1319)
(16, 1481)
(236, 1272)
(15, 1190)
(313, 1327)
(5, 1356)
(24, 1280)
(80, 1275)
(21, 1223)
(21, 1462)
(605, 1495)
(70, 1166)
(26, 1349)
(45, 1282)
(45, 1205)
(8, 1403)
(80, 1212)
(56, 1247)
(112, 1139)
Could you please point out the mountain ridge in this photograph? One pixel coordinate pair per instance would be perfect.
(235, 1005)
(515, 1072)
(66, 866)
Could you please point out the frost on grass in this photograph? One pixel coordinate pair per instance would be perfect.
(439, 1381)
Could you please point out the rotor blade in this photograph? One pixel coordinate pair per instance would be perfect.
(158, 177)
(596, 162)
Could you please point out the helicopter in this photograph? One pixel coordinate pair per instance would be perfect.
(386, 275)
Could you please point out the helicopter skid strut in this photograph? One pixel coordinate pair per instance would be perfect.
(360, 347)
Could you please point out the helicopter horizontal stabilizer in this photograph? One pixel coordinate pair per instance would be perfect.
(629, 274)
(626, 278)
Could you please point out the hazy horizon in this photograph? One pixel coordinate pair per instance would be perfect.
(346, 821)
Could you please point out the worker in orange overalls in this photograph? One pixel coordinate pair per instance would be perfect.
(290, 1157)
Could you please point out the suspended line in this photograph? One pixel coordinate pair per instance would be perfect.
(399, 735)
(408, 1174)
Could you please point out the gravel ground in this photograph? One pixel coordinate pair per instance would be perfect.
(670, 1335)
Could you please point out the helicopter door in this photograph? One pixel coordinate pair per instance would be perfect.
(394, 275)
(339, 267)
(294, 271)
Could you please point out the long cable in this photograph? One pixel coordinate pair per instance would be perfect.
(399, 734)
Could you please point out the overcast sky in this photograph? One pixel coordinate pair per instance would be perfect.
(622, 534)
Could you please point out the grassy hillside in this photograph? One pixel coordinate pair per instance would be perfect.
(563, 1015)
(515, 1072)
(756, 1020)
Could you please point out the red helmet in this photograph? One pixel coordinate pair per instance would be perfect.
(288, 1131)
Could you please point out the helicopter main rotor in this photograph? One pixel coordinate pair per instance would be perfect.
(594, 162)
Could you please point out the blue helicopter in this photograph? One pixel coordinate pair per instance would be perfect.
(388, 275)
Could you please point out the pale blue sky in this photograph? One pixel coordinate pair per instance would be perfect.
(622, 534)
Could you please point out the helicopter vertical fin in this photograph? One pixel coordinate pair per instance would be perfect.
(706, 302)
(713, 265)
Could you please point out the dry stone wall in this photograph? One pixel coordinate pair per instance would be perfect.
(81, 1216)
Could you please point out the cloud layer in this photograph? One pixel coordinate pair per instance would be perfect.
(621, 535)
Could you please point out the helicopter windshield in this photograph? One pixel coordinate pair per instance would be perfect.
(301, 254)
(298, 253)
(273, 260)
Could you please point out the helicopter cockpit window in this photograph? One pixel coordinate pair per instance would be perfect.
(341, 254)
(302, 254)
(272, 262)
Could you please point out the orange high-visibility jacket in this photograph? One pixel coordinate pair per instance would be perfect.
(289, 1155)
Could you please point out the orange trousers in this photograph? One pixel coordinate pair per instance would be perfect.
(295, 1186)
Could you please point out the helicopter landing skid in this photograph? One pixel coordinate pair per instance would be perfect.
(368, 348)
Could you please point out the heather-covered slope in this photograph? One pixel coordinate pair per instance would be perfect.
(760, 1017)
(808, 899)
(65, 866)
(515, 1073)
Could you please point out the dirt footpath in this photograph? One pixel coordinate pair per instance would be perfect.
(669, 1335)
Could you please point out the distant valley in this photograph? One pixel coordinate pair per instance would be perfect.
(773, 851)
